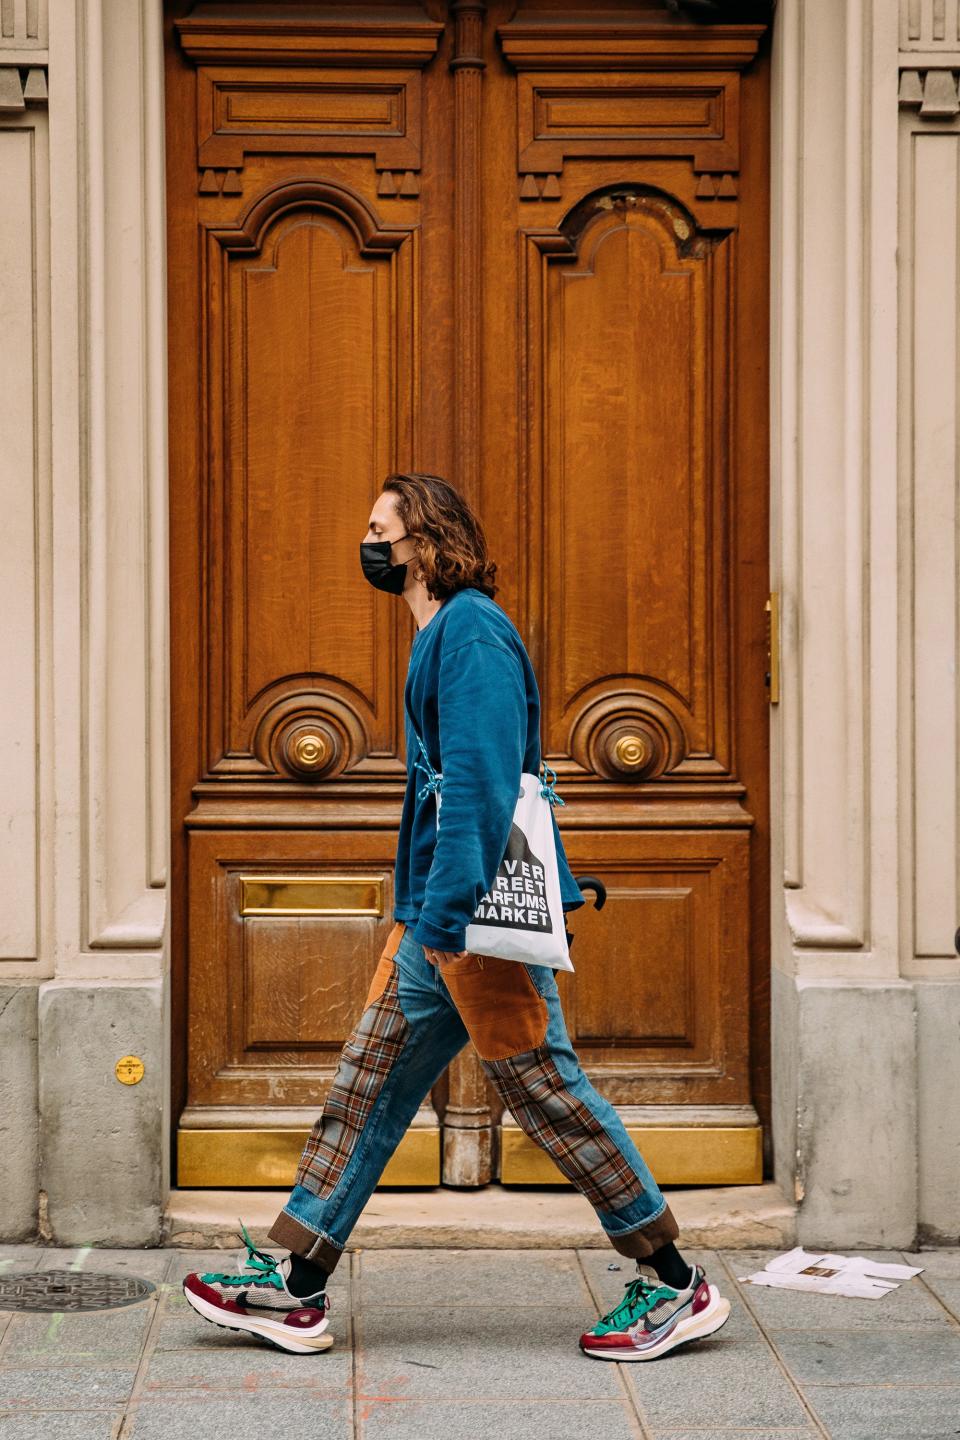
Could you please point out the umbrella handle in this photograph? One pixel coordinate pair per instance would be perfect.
(591, 882)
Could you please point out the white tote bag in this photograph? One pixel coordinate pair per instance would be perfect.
(521, 915)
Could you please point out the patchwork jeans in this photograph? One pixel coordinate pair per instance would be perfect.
(416, 1019)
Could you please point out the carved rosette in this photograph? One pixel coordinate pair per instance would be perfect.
(625, 735)
(310, 736)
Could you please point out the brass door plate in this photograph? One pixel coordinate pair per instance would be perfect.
(676, 1155)
(225, 1159)
(275, 895)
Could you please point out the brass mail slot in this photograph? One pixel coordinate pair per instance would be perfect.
(311, 895)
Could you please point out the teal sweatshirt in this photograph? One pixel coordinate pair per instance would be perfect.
(472, 695)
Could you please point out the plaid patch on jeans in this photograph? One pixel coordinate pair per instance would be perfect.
(365, 1062)
(532, 1088)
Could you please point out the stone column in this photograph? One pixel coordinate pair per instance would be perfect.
(87, 720)
(929, 423)
(24, 581)
(844, 1011)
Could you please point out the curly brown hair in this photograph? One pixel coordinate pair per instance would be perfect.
(451, 545)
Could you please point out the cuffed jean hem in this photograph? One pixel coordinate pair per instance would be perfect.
(293, 1235)
(646, 1237)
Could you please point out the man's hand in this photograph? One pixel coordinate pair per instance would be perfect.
(442, 957)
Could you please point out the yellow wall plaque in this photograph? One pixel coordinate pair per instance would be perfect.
(129, 1069)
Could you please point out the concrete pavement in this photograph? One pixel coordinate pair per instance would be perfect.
(481, 1345)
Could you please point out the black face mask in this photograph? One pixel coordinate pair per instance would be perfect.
(376, 566)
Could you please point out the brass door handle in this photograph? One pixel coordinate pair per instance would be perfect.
(312, 751)
(632, 751)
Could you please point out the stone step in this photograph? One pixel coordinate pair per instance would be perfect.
(718, 1217)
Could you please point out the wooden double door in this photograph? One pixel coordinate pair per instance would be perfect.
(524, 247)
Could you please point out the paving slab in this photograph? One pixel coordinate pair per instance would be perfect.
(459, 1277)
(923, 1356)
(244, 1417)
(911, 1307)
(147, 1264)
(754, 1434)
(718, 1383)
(20, 1257)
(68, 1339)
(60, 1424)
(944, 1262)
(911, 1304)
(479, 1353)
(947, 1291)
(866, 1412)
(247, 1368)
(521, 1420)
(941, 1276)
(36, 1387)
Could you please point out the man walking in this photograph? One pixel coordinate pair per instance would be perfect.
(471, 696)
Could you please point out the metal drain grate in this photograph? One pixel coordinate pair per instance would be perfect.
(52, 1290)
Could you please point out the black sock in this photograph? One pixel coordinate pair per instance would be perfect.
(670, 1266)
(305, 1278)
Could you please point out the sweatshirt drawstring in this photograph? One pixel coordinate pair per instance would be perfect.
(547, 784)
(434, 779)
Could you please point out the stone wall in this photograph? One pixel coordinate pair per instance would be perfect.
(865, 992)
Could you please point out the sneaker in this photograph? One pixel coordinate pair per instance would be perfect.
(257, 1301)
(653, 1318)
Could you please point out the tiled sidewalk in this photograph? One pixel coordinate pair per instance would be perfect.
(481, 1345)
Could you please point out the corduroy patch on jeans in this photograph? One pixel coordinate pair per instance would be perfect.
(532, 1088)
(365, 1062)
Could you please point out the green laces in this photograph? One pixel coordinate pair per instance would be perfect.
(638, 1297)
(259, 1268)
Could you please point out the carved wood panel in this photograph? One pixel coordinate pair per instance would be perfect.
(615, 114)
(310, 403)
(627, 323)
(659, 989)
(273, 994)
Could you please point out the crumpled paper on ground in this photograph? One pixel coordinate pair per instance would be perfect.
(851, 1275)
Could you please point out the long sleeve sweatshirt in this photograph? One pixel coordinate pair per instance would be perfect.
(472, 695)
